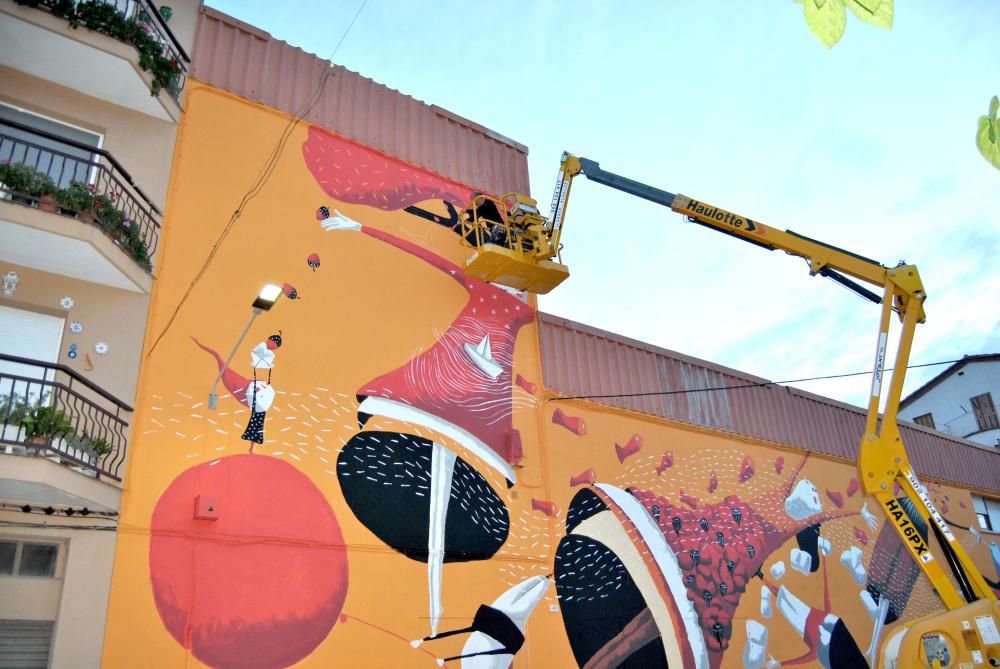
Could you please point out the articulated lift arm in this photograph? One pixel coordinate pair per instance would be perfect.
(882, 460)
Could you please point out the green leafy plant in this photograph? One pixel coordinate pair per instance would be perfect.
(104, 208)
(988, 136)
(827, 19)
(105, 18)
(96, 445)
(41, 185)
(12, 409)
(46, 422)
(77, 197)
(17, 177)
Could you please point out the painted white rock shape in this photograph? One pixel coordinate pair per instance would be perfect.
(766, 609)
(755, 650)
(804, 501)
(778, 570)
(796, 611)
(869, 602)
(851, 559)
(801, 561)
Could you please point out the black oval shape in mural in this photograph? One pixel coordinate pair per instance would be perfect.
(808, 540)
(585, 504)
(386, 480)
(600, 603)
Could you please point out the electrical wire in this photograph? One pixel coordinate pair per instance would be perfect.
(761, 384)
(262, 177)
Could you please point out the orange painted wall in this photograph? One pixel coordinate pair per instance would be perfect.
(319, 555)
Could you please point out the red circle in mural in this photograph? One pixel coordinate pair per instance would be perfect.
(262, 585)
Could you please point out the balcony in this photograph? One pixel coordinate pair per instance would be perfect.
(114, 50)
(49, 411)
(89, 218)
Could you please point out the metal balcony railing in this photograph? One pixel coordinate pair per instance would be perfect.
(135, 22)
(88, 183)
(49, 410)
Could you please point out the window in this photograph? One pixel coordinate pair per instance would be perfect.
(62, 162)
(986, 412)
(28, 558)
(927, 420)
(988, 512)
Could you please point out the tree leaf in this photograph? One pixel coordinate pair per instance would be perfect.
(876, 12)
(826, 21)
(989, 134)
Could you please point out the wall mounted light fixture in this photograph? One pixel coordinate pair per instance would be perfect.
(265, 299)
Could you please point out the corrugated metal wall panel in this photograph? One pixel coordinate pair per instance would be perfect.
(248, 62)
(580, 360)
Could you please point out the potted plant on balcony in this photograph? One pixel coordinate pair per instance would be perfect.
(18, 179)
(77, 198)
(44, 188)
(95, 447)
(109, 216)
(43, 424)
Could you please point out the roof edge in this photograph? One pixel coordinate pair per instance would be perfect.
(265, 36)
(966, 359)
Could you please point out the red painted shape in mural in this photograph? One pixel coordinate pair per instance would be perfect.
(356, 174)
(528, 386)
(860, 535)
(633, 446)
(466, 377)
(688, 499)
(853, 487)
(746, 469)
(545, 506)
(720, 546)
(231, 598)
(588, 476)
(235, 383)
(574, 424)
(779, 464)
(713, 482)
(666, 462)
(836, 497)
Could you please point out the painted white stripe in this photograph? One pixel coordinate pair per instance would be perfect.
(379, 406)
(442, 470)
(667, 563)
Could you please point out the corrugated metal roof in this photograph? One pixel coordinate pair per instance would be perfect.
(248, 62)
(581, 360)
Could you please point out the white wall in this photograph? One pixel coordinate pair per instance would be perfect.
(949, 401)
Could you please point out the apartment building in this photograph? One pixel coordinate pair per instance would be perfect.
(91, 94)
(961, 400)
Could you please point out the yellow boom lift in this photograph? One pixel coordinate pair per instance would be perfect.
(516, 246)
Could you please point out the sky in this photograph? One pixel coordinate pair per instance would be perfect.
(869, 146)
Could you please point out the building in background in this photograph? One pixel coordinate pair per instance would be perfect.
(88, 122)
(961, 400)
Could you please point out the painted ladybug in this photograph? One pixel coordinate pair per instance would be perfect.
(313, 261)
(290, 291)
(322, 214)
(274, 341)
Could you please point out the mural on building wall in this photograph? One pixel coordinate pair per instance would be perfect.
(393, 487)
